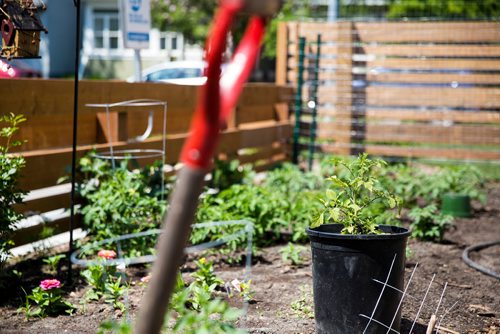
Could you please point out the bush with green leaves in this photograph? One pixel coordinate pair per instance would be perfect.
(280, 205)
(428, 223)
(118, 201)
(292, 253)
(356, 198)
(405, 182)
(413, 185)
(266, 209)
(299, 214)
(10, 172)
(289, 179)
(228, 172)
(464, 180)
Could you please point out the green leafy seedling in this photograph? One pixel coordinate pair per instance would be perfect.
(428, 223)
(302, 307)
(53, 262)
(292, 253)
(356, 198)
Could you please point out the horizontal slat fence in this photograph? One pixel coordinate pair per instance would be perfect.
(407, 89)
(260, 123)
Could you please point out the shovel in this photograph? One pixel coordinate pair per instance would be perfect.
(216, 101)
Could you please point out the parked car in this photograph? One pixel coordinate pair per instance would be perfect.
(17, 69)
(176, 72)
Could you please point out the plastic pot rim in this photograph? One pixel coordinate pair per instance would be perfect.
(391, 232)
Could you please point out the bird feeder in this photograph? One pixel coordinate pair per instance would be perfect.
(20, 28)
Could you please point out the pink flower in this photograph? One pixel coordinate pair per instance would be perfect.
(146, 279)
(107, 254)
(50, 284)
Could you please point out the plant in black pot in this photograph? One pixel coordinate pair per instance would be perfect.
(358, 257)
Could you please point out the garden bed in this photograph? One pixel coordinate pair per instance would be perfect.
(283, 292)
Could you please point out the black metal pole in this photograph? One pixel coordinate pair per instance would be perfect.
(298, 100)
(314, 102)
(73, 155)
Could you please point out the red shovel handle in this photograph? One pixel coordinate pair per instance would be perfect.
(219, 96)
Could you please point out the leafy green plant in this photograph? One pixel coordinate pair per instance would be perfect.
(289, 179)
(18, 274)
(104, 281)
(292, 253)
(266, 209)
(205, 273)
(118, 202)
(195, 308)
(211, 316)
(115, 327)
(463, 180)
(48, 300)
(279, 206)
(10, 172)
(96, 276)
(114, 291)
(299, 214)
(228, 172)
(302, 307)
(408, 252)
(428, 223)
(356, 199)
(53, 262)
(404, 181)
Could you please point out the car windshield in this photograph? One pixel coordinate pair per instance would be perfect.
(174, 73)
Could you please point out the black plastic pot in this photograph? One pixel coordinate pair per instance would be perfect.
(346, 269)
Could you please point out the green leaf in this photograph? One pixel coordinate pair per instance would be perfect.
(335, 214)
(369, 185)
(330, 195)
(320, 221)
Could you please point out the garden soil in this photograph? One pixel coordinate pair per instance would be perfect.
(283, 293)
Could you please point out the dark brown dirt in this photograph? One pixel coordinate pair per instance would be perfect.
(277, 286)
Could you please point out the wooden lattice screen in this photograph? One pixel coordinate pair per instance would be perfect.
(407, 89)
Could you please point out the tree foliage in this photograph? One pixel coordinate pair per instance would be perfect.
(291, 10)
(445, 9)
(192, 18)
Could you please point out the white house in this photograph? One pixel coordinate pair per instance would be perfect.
(103, 54)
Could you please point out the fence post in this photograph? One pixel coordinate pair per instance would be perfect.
(314, 102)
(298, 100)
(343, 77)
(282, 54)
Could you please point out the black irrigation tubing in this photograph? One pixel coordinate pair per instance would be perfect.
(475, 265)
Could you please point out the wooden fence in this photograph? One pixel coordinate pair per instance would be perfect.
(406, 89)
(259, 124)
